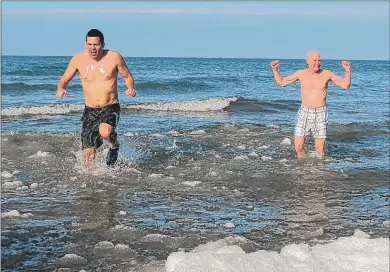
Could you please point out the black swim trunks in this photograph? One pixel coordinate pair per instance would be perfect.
(92, 118)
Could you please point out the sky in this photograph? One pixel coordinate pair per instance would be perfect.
(234, 29)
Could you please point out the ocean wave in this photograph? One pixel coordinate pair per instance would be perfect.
(208, 105)
(213, 104)
(42, 110)
(254, 105)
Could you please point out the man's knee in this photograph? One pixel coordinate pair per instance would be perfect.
(105, 130)
(320, 144)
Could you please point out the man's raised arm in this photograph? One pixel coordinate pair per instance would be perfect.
(345, 82)
(280, 80)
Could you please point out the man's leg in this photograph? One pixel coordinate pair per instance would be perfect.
(88, 156)
(108, 133)
(320, 147)
(299, 143)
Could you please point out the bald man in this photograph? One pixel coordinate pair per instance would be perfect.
(312, 116)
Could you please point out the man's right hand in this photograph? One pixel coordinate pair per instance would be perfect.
(274, 64)
(61, 92)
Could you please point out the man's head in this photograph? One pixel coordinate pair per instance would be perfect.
(313, 60)
(94, 43)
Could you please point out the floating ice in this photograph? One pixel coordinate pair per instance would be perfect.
(197, 132)
(266, 158)
(241, 157)
(253, 155)
(12, 185)
(229, 225)
(70, 260)
(347, 254)
(286, 141)
(192, 183)
(40, 154)
(22, 188)
(15, 213)
(173, 133)
(6, 174)
(104, 245)
(155, 176)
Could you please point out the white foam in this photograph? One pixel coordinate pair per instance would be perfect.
(42, 110)
(213, 104)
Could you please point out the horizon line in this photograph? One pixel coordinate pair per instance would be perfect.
(173, 57)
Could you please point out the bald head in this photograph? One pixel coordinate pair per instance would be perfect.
(313, 55)
(313, 60)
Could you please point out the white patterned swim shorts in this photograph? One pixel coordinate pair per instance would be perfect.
(312, 120)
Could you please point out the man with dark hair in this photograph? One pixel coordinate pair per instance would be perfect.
(98, 70)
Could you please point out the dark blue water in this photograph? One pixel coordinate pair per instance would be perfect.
(200, 148)
(359, 117)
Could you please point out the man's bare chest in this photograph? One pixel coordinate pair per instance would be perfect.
(96, 71)
(314, 81)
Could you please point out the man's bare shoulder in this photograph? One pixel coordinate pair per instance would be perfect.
(300, 72)
(80, 56)
(113, 54)
(327, 72)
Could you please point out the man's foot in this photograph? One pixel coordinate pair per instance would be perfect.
(99, 142)
(112, 156)
(301, 154)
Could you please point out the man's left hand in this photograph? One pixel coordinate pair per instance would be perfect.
(346, 65)
(131, 92)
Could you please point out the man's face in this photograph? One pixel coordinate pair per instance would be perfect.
(314, 62)
(94, 47)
